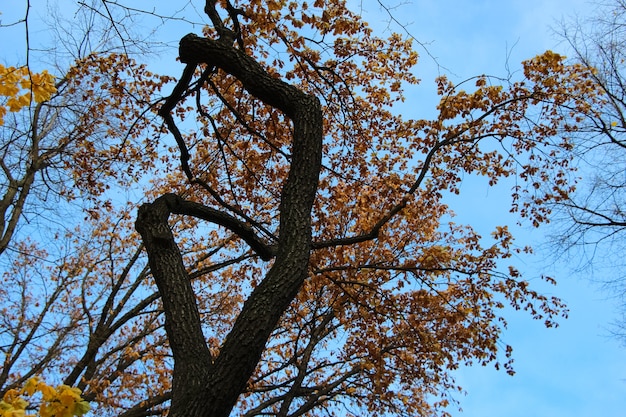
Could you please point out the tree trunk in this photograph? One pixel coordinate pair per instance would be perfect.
(203, 385)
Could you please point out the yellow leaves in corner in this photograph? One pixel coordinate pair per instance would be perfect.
(39, 87)
(62, 401)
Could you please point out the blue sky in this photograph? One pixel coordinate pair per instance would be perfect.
(578, 369)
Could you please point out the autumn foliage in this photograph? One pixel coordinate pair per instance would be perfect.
(62, 401)
(21, 87)
(295, 254)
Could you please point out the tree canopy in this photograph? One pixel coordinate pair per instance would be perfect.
(265, 234)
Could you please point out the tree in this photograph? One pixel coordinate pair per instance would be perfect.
(67, 288)
(39, 87)
(297, 231)
(593, 218)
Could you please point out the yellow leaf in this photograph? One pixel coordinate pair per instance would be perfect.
(81, 407)
(31, 386)
(48, 392)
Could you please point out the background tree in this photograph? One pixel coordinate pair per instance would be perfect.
(295, 228)
(71, 298)
(593, 219)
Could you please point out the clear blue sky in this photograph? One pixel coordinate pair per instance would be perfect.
(577, 370)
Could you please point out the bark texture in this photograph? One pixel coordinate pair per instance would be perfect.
(205, 385)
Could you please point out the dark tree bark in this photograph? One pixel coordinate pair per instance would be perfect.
(209, 386)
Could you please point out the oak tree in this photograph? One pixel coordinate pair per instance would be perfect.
(295, 254)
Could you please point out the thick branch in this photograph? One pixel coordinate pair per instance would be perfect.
(192, 357)
(267, 88)
(179, 206)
